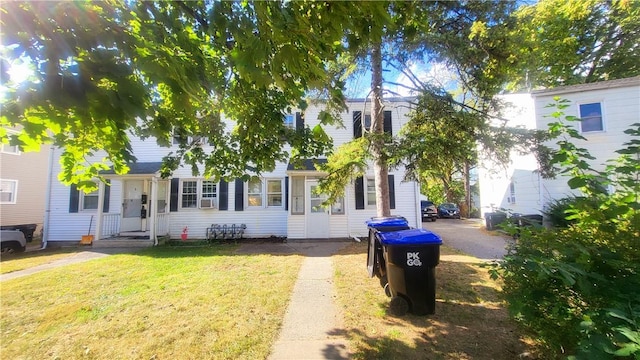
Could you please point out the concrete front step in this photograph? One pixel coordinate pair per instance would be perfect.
(122, 243)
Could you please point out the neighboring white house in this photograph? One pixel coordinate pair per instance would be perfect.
(606, 110)
(281, 203)
(515, 185)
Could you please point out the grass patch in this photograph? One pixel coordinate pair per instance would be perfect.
(20, 261)
(470, 320)
(159, 303)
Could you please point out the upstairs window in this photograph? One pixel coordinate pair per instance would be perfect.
(290, 121)
(591, 117)
(359, 124)
(10, 149)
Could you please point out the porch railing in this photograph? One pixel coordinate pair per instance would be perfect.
(162, 224)
(110, 225)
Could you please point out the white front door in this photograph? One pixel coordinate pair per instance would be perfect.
(132, 205)
(317, 215)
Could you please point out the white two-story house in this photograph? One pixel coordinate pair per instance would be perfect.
(606, 110)
(281, 203)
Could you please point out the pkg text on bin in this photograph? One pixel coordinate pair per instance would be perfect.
(413, 259)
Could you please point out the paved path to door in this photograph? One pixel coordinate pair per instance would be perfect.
(78, 257)
(312, 324)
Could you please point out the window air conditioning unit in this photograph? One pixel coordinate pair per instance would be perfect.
(208, 203)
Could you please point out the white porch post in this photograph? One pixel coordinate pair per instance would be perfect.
(98, 231)
(153, 211)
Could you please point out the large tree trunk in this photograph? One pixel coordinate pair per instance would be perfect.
(380, 167)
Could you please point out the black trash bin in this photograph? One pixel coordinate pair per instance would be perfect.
(411, 257)
(375, 258)
(493, 219)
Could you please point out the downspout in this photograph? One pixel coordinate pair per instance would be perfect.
(153, 211)
(47, 205)
(416, 194)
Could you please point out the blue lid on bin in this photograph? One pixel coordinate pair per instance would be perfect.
(376, 222)
(410, 237)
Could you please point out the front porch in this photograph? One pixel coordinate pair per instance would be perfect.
(142, 215)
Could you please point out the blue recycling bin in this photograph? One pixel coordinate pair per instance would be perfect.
(375, 258)
(410, 258)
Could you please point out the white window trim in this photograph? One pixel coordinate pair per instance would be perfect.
(14, 198)
(3, 146)
(82, 196)
(199, 197)
(340, 201)
(215, 197)
(366, 191)
(264, 196)
(511, 199)
(602, 116)
(292, 181)
(266, 193)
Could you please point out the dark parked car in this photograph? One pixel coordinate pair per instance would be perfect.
(429, 211)
(449, 210)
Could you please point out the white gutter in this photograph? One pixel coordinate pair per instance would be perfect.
(47, 205)
(416, 187)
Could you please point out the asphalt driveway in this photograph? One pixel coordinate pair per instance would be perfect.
(470, 237)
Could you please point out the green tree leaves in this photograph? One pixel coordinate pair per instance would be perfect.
(112, 69)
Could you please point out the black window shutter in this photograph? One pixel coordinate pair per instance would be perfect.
(107, 194)
(392, 193)
(299, 122)
(173, 198)
(239, 195)
(387, 123)
(359, 182)
(223, 202)
(357, 124)
(74, 199)
(286, 193)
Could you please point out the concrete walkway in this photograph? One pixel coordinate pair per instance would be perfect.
(312, 325)
(71, 259)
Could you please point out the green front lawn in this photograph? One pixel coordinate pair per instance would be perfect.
(159, 303)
